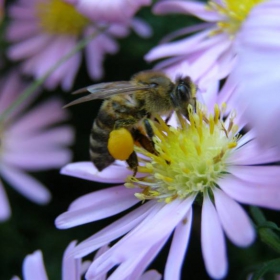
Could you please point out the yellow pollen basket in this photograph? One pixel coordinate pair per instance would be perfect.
(235, 13)
(58, 17)
(189, 159)
(120, 144)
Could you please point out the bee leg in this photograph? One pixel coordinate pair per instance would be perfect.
(125, 123)
(168, 117)
(132, 162)
(148, 128)
(143, 140)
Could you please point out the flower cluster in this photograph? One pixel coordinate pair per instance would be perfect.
(192, 146)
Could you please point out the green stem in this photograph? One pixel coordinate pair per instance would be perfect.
(37, 83)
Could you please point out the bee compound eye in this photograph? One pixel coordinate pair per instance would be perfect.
(183, 92)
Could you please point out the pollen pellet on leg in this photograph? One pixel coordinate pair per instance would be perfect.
(120, 144)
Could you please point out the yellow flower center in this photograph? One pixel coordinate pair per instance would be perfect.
(189, 159)
(234, 12)
(58, 17)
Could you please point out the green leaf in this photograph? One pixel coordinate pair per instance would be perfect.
(265, 229)
(270, 266)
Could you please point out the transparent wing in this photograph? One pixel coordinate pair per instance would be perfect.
(105, 90)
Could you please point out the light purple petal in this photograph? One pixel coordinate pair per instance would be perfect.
(151, 275)
(109, 202)
(142, 28)
(149, 232)
(115, 173)
(115, 230)
(178, 248)
(25, 184)
(33, 267)
(213, 241)
(261, 175)
(253, 153)
(234, 219)
(5, 210)
(199, 10)
(181, 47)
(250, 193)
(20, 31)
(70, 266)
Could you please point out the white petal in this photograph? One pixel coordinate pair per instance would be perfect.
(213, 241)
(234, 219)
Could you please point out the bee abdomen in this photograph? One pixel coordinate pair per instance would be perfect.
(99, 153)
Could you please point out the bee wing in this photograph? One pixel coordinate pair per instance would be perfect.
(105, 90)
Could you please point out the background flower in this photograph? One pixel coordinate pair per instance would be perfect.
(119, 11)
(30, 142)
(42, 32)
(208, 53)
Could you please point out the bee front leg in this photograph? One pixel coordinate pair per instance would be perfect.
(132, 162)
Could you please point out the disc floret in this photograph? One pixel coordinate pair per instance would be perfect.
(59, 17)
(189, 159)
(234, 13)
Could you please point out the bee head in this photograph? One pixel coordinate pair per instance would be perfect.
(184, 94)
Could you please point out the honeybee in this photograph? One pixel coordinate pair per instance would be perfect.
(128, 104)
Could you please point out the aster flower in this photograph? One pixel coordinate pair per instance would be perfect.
(42, 32)
(29, 143)
(72, 269)
(257, 73)
(210, 53)
(204, 159)
(119, 11)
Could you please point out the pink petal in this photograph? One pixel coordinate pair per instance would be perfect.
(51, 138)
(213, 241)
(5, 210)
(199, 10)
(115, 200)
(35, 160)
(250, 193)
(116, 229)
(21, 31)
(115, 173)
(33, 267)
(178, 248)
(28, 47)
(234, 219)
(26, 185)
(39, 118)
